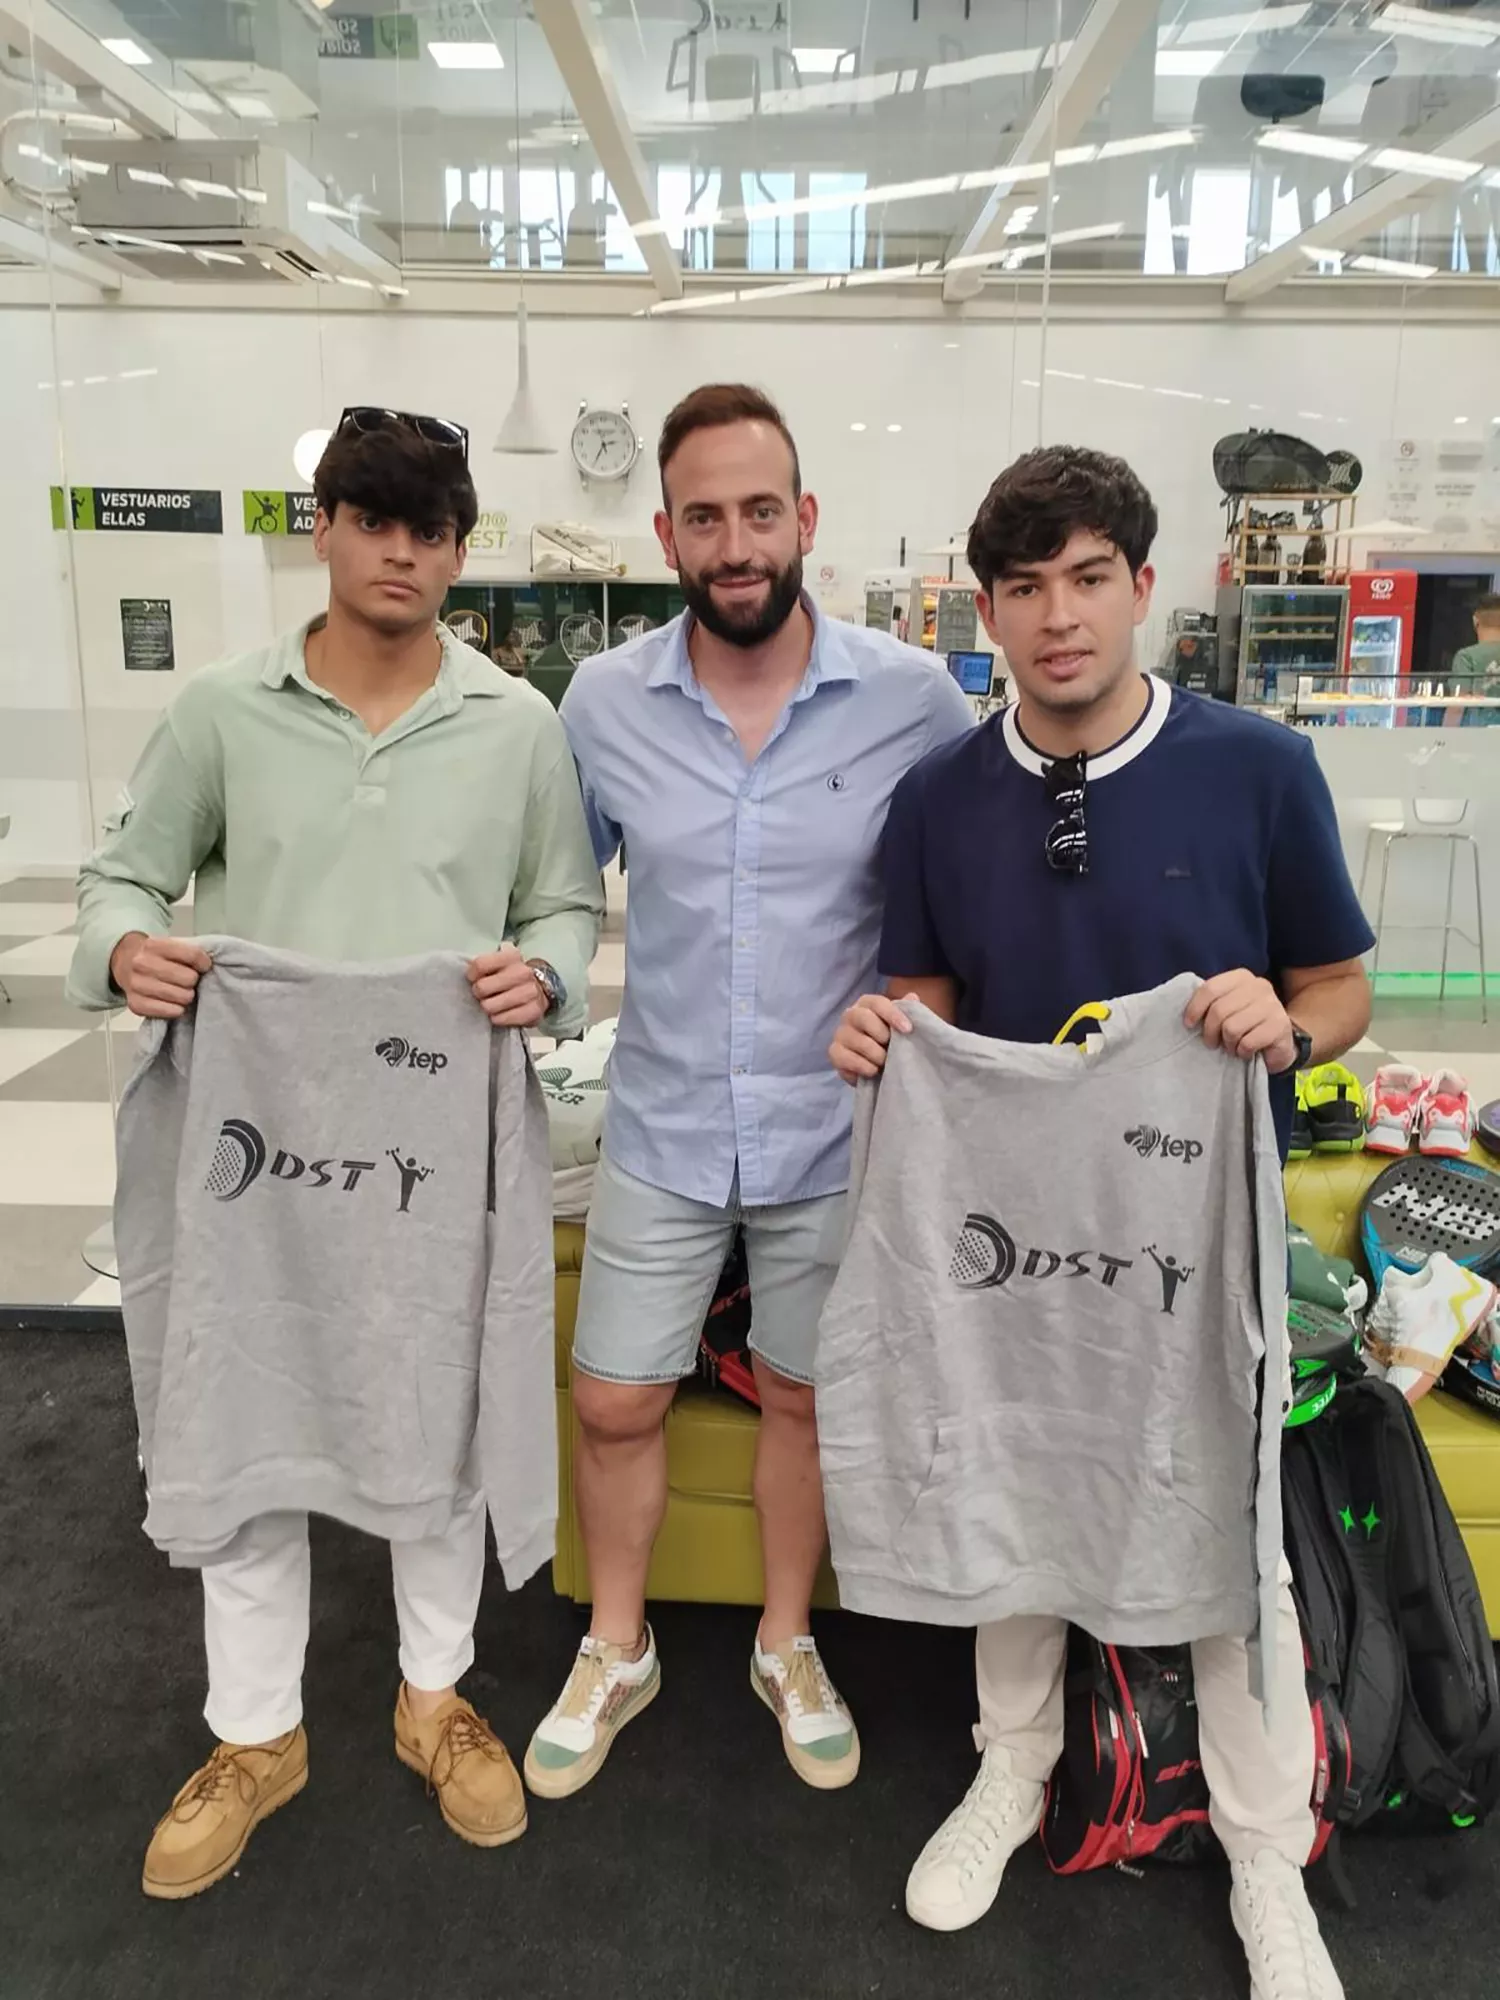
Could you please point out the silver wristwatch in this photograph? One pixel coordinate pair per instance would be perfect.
(553, 989)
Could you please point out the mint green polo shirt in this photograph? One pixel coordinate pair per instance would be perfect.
(457, 829)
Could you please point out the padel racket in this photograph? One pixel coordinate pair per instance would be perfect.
(1487, 1126)
(1420, 1206)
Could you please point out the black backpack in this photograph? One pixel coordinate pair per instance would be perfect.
(1392, 1614)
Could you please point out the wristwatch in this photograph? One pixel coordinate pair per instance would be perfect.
(1302, 1042)
(554, 991)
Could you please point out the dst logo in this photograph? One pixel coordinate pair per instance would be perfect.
(240, 1159)
(1147, 1140)
(398, 1054)
(984, 1258)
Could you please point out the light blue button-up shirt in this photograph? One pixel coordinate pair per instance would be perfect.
(753, 917)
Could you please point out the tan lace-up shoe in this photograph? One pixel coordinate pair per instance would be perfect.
(204, 1833)
(478, 1788)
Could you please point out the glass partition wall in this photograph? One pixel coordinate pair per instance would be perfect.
(938, 233)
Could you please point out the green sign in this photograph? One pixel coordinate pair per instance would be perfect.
(141, 510)
(368, 37)
(146, 630)
(277, 513)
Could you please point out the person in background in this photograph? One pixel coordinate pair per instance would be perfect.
(368, 787)
(1144, 832)
(1476, 668)
(746, 752)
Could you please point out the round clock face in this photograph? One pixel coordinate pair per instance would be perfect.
(604, 444)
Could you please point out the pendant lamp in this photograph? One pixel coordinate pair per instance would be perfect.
(522, 433)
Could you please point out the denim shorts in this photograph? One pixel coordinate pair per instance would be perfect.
(652, 1261)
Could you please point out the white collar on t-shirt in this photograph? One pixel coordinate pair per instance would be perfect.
(1129, 747)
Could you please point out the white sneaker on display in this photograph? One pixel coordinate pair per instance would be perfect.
(1445, 1123)
(957, 1875)
(1287, 1955)
(1421, 1317)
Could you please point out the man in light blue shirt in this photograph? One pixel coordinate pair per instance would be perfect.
(745, 755)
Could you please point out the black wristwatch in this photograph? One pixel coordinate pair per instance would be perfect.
(553, 989)
(1302, 1042)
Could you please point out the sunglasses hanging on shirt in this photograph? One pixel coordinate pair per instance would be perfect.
(1067, 847)
(364, 418)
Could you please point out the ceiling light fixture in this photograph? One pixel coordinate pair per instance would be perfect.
(859, 427)
(522, 435)
(90, 166)
(143, 242)
(126, 51)
(328, 208)
(217, 257)
(893, 428)
(1391, 267)
(1020, 221)
(466, 55)
(1316, 145)
(1439, 166)
(1187, 62)
(363, 284)
(254, 108)
(306, 452)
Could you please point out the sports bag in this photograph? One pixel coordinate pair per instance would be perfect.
(1268, 462)
(1392, 1613)
(724, 1342)
(1129, 1785)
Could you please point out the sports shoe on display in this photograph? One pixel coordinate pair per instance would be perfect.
(202, 1835)
(817, 1730)
(957, 1875)
(479, 1792)
(1420, 1318)
(1395, 1098)
(1302, 1134)
(603, 1693)
(1335, 1109)
(1445, 1123)
(1287, 1956)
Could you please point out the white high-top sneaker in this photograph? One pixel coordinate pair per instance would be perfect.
(1287, 1955)
(957, 1875)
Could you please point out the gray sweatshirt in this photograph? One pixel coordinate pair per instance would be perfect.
(333, 1222)
(1038, 1369)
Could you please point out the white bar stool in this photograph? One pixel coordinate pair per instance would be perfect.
(1429, 819)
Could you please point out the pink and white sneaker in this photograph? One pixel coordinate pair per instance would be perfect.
(1395, 1099)
(1445, 1122)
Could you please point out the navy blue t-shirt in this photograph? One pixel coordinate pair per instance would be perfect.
(1212, 844)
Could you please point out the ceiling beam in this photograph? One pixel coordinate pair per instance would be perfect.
(18, 240)
(579, 55)
(1367, 213)
(72, 55)
(1111, 33)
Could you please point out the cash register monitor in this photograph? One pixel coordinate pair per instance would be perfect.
(974, 672)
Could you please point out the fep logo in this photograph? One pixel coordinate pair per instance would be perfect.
(399, 1054)
(1147, 1140)
(1382, 586)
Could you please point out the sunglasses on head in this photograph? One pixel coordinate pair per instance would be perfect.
(364, 418)
(1067, 846)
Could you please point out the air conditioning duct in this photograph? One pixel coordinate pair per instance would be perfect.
(223, 208)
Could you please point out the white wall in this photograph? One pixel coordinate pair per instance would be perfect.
(231, 391)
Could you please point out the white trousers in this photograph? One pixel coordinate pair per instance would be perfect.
(1259, 1781)
(255, 1618)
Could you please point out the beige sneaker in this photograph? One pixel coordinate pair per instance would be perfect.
(478, 1790)
(201, 1838)
(603, 1693)
(817, 1730)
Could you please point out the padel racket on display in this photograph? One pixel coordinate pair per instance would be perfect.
(1420, 1206)
(1487, 1126)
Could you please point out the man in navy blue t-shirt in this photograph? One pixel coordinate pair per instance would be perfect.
(1102, 835)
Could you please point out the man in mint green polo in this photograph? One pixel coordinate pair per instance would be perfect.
(366, 788)
(1476, 668)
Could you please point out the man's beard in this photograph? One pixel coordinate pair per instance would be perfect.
(752, 622)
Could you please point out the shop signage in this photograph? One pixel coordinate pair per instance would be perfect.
(146, 629)
(368, 37)
(142, 510)
(491, 531)
(279, 513)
